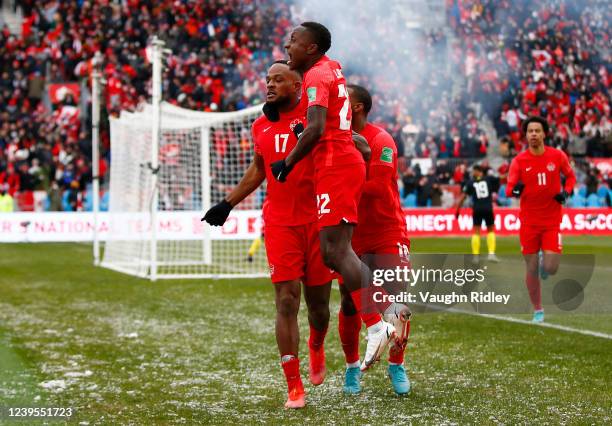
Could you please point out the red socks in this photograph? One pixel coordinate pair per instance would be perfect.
(396, 353)
(291, 368)
(317, 337)
(535, 294)
(364, 300)
(348, 328)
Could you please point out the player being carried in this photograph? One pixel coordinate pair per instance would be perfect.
(339, 175)
(481, 188)
(290, 218)
(380, 238)
(535, 177)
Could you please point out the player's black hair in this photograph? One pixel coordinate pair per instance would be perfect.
(478, 167)
(320, 33)
(535, 119)
(362, 95)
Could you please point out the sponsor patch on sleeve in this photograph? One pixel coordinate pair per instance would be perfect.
(386, 155)
(312, 94)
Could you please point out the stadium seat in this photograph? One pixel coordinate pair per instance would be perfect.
(104, 202)
(593, 201)
(577, 201)
(410, 201)
(582, 191)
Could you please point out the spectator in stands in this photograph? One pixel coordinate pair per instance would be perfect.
(6, 201)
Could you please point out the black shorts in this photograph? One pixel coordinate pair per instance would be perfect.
(478, 215)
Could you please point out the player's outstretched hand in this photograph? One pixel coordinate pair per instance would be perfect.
(561, 197)
(280, 170)
(217, 214)
(518, 189)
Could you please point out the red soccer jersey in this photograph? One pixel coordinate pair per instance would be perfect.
(293, 202)
(324, 85)
(541, 175)
(380, 212)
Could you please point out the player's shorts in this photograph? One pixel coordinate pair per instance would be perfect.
(294, 253)
(389, 253)
(536, 238)
(338, 191)
(486, 215)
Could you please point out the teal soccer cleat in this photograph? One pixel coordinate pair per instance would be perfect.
(352, 378)
(399, 379)
(538, 316)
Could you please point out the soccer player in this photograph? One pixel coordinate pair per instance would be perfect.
(290, 218)
(339, 173)
(481, 188)
(381, 231)
(535, 177)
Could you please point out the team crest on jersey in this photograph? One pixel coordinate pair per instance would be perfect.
(295, 123)
(550, 167)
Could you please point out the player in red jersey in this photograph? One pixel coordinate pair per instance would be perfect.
(535, 177)
(290, 218)
(339, 171)
(381, 231)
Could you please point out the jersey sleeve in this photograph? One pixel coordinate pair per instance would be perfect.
(514, 175)
(568, 172)
(317, 83)
(468, 187)
(254, 135)
(384, 151)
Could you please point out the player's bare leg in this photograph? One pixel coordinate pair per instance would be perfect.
(339, 256)
(491, 244)
(532, 279)
(317, 300)
(287, 299)
(551, 261)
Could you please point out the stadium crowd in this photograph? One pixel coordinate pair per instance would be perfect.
(501, 59)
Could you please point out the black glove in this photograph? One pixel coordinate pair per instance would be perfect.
(280, 170)
(298, 129)
(271, 112)
(518, 189)
(217, 214)
(561, 197)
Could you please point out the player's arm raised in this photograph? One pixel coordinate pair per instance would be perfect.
(253, 177)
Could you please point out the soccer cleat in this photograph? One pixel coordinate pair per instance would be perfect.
(316, 364)
(493, 258)
(543, 273)
(475, 259)
(399, 316)
(296, 398)
(377, 343)
(538, 316)
(399, 379)
(352, 380)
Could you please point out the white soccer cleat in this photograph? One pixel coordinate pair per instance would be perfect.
(377, 343)
(493, 258)
(399, 315)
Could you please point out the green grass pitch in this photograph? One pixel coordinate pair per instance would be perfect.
(121, 350)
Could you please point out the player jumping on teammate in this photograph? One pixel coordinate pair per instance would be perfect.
(535, 177)
(339, 173)
(290, 216)
(481, 188)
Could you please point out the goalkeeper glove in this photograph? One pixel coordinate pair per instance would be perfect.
(561, 197)
(518, 189)
(271, 112)
(217, 214)
(280, 170)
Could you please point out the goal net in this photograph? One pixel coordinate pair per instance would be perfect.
(154, 213)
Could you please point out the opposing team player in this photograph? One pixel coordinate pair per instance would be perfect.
(381, 234)
(339, 173)
(481, 188)
(290, 217)
(535, 177)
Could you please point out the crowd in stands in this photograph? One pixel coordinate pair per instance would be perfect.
(497, 59)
